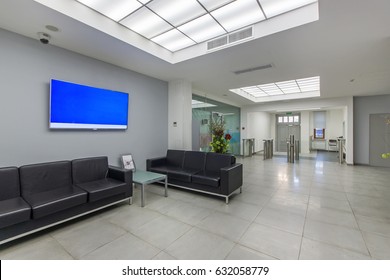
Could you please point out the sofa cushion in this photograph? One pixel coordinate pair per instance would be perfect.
(175, 158)
(89, 169)
(194, 160)
(181, 175)
(42, 177)
(9, 183)
(103, 188)
(207, 178)
(165, 169)
(215, 161)
(55, 200)
(14, 211)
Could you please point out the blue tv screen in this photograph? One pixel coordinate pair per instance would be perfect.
(74, 106)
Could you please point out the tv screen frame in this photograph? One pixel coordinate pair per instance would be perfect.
(77, 106)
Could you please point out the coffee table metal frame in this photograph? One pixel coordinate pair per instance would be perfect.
(143, 178)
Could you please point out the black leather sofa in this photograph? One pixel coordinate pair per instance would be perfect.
(37, 196)
(211, 173)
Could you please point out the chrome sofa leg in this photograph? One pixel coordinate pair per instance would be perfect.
(227, 200)
(130, 200)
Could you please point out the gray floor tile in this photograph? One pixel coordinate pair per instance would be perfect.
(198, 244)
(340, 236)
(273, 242)
(315, 250)
(227, 226)
(379, 246)
(243, 253)
(161, 232)
(126, 247)
(332, 216)
(84, 238)
(284, 220)
(40, 248)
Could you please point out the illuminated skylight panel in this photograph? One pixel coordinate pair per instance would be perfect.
(288, 87)
(202, 29)
(173, 40)
(276, 7)
(177, 12)
(270, 89)
(309, 84)
(199, 20)
(114, 9)
(292, 87)
(213, 4)
(238, 14)
(146, 23)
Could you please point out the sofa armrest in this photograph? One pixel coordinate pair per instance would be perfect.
(153, 162)
(231, 178)
(123, 175)
(120, 174)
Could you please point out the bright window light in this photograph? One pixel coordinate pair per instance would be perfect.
(276, 7)
(173, 40)
(231, 16)
(177, 12)
(114, 9)
(202, 28)
(146, 23)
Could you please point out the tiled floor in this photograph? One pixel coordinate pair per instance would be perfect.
(307, 210)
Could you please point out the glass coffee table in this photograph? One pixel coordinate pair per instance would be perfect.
(143, 178)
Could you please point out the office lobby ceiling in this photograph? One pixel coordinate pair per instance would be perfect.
(348, 48)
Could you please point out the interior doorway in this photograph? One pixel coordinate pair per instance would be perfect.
(287, 125)
(379, 139)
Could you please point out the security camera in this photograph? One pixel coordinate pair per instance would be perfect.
(44, 38)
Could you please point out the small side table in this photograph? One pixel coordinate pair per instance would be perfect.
(143, 178)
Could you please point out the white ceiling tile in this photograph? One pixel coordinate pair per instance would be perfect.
(146, 23)
(202, 28)
(276, 7)
(238, 14)
(114, 9)
(177, 12)
(173, 40)
(213, 4)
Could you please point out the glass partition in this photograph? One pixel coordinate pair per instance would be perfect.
(205, 110)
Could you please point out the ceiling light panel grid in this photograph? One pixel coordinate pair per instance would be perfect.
(189, 21)
(285, 87)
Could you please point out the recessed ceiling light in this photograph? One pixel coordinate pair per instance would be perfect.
(52, 28)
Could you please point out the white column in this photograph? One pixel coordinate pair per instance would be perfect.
(305, 132)
(180, 115)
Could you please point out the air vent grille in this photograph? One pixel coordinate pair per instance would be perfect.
(231, 38)
(217, 43)
(262, 67)
(240, 35)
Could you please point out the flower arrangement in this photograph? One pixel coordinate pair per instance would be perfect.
(219, 142)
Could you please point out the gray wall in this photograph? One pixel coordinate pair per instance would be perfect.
(26, 67)
(363, 107)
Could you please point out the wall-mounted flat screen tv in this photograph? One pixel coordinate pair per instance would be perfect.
(74, 106)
